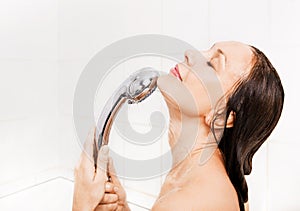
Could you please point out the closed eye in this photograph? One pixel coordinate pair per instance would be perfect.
(209, 64)
(220, 63)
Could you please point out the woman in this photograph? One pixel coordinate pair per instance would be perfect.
(239, 121)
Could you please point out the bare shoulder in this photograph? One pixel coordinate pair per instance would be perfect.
(173, 201)
(213, 195)
(217, 197)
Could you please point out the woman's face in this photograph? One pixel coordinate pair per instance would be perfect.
(207, 75)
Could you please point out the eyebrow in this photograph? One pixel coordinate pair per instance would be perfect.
(221, 52)
(218, 50)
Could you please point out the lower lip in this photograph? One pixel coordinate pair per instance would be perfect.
(175, 73)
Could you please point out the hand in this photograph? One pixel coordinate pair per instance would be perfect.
(90, 181)
(115, 196)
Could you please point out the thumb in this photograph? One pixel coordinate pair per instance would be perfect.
(102, 160)
(112, 172)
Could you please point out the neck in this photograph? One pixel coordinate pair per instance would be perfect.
(190, 138)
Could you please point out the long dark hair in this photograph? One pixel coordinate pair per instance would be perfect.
(256, 103)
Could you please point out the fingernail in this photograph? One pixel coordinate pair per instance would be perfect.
(115, 197)
(116, 188)
(107, 186)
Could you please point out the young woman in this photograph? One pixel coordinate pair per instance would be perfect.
(239, 121)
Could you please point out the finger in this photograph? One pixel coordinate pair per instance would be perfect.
(109, 187)
(88, 146)
(112, 172)
(109, 198)
(106, 207)
(102, 160)
(86, 158)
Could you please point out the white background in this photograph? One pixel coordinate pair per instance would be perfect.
(45, 45)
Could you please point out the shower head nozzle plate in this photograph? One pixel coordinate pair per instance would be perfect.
(143, 85)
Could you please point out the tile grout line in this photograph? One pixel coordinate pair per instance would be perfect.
(29, 187)
(267, 177)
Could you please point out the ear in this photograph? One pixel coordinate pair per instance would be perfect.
(208, 117)
(230, 120)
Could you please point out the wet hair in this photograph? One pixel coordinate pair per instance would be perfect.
(256, 102)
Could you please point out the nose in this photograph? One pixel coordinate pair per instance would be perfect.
(190, 57)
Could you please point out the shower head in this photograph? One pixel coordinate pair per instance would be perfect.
(141, 84)
(137, 87)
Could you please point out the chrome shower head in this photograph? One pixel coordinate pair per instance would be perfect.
(135, 89)
(142, 84)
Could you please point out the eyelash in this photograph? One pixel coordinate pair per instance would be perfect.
(209, 64)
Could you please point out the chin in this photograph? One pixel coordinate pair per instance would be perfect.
(166, 84)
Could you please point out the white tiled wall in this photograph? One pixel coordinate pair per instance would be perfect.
(46, 44)
(284, 23)
(55, 194)
(187, 20)
(28, 90)
(29, 30)
(245, 21)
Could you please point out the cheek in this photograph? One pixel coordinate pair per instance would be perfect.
(228, 82)
(232, 74)
(207, 86)
(200, 93)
